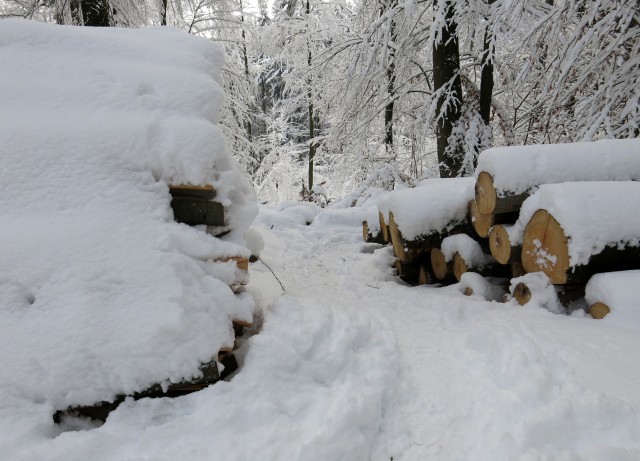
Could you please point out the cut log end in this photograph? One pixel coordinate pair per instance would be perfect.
(459, 266)
(439, 265)
(481, 222)
(545, 247)
(522, 294)
(365, 231)
(397, 241)
(384, 228)
(485, 193)
(468, 291)
(500, 245)
(425, 276)
(599, 310)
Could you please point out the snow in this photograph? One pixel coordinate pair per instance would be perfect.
(466, 247)
(102, 293)
(481, 288)
(593, 215)
(350, 364)
(434, 206)
(518, 169)
(618, 291)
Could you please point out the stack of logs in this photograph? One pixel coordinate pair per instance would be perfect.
(194, 206)
(511, 247)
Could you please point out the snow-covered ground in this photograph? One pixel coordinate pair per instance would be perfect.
(352, 365)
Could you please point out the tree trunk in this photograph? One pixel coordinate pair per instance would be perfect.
(486, 78)
(312, 133)
(96, 13)
(76, 14)
(446, 78)
(164, 13)
(391, 83)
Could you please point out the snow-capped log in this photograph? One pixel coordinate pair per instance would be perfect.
(613, 294)
(505, 244)
(482, 223)
(467, 255)
(575, 230)
(506, 176)
(420, 218)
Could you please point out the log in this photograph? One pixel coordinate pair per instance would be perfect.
(545, 248)
(599, 310)
(368, 237)
(488, 201)
(195, 211)
(570, 296)
(384, 228)
(206, 192)
(460, 267)
(100, 410)
(410, 250)
(442, 270)
(408, 272)
(501, 247)
(482, 223)
(522, 293)
(426, 276)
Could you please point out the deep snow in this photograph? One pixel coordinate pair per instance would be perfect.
(351, 364)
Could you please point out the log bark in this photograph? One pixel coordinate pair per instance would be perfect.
(206, 192)
(460, 266)
(482, 223)
(501, 248)
(488, 200)
(195, 211)
(545, 248)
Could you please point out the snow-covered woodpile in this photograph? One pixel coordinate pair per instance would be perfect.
(107, 295)
(563, 212)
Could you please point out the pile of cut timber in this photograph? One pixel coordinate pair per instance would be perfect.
(568, 211)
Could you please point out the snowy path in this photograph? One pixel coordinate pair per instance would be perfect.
(351, 365)
(474, 380)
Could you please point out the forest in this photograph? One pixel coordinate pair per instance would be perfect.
(326, 97)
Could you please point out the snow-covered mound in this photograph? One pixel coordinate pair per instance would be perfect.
(518, 169)
(617, 291)
(101, 292)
